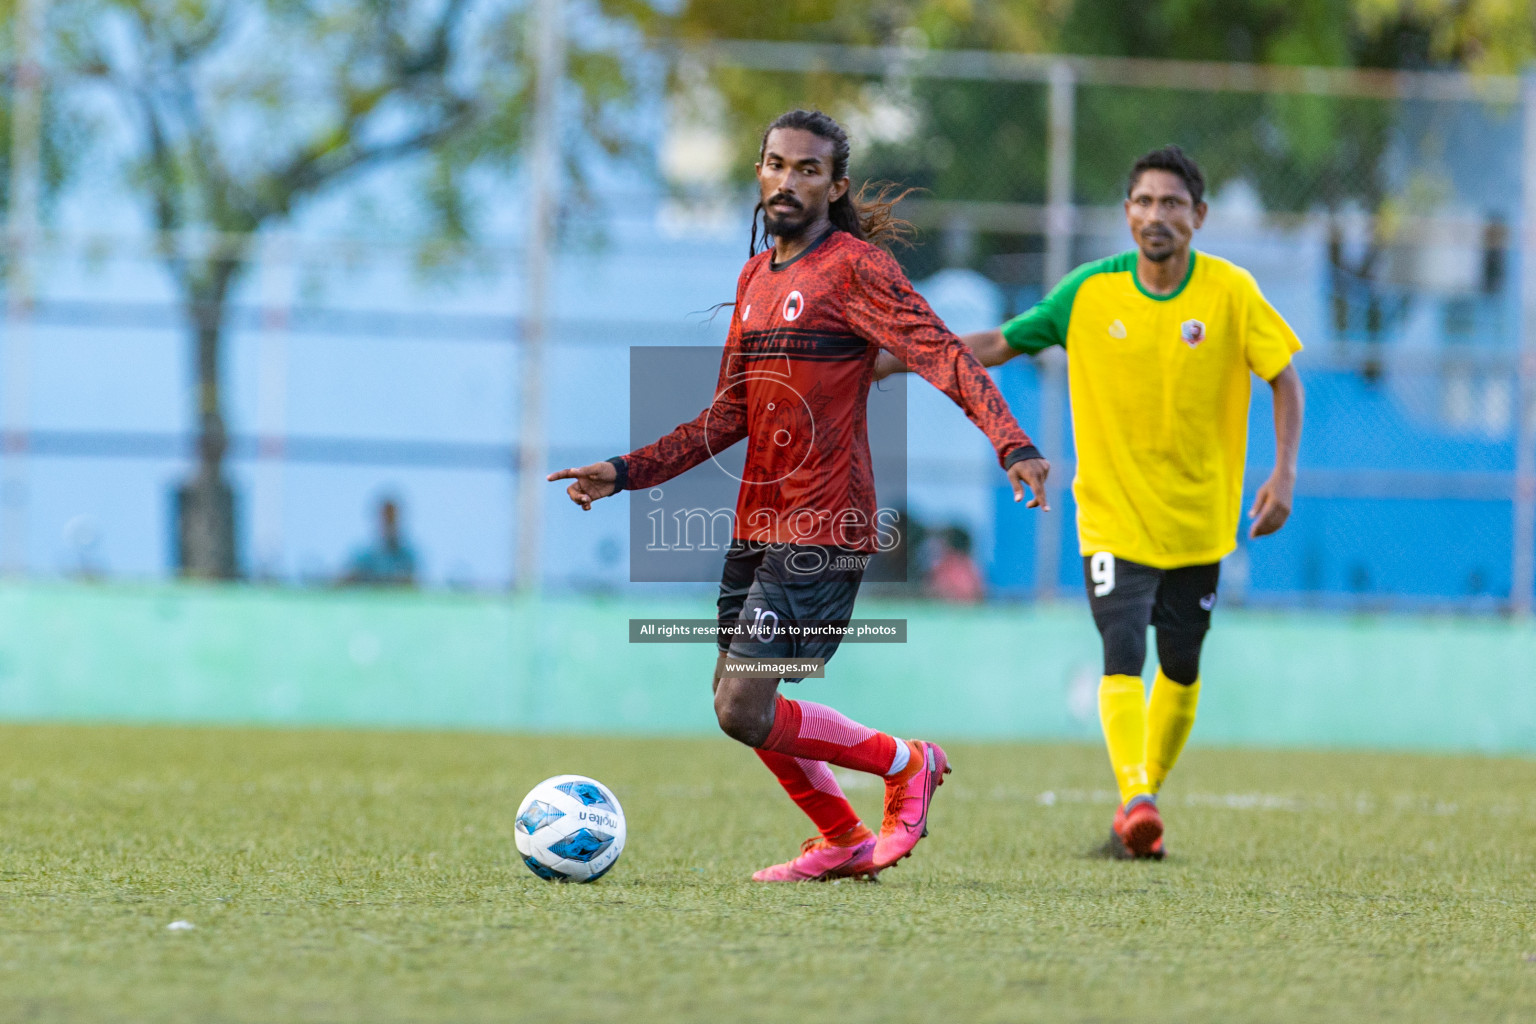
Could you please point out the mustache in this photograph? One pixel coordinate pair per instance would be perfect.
(785, 198)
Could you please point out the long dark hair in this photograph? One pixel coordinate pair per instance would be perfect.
(868, 213)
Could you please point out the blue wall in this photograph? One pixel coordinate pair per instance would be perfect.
(1418, 549)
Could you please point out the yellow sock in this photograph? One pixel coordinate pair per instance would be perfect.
(1170, 716)
(1123, 712)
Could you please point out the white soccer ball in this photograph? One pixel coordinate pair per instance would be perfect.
(570, 829)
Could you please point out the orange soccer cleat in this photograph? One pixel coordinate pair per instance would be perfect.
(907, 799)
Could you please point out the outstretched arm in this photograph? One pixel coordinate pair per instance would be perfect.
(1272, 505)
(688, 444)
(707, 434)
(884, 309)
(989, 348)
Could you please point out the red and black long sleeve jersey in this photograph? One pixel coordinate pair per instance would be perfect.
(794, 383)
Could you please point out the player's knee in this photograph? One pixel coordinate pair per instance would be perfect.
(1178, 655)
(1125, 650)
(741, 719)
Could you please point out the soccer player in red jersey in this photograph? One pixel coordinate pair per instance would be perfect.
(812, 312)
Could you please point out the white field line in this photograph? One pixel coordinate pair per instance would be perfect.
(1362, 803)
(1403, 803)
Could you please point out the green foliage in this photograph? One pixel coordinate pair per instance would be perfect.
(951, 24)
(1485, 35)
(1298, 151)
(985, 141)
(1265, 31)
(63, 130)
(371, 876)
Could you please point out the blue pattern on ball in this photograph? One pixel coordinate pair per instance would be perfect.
(537, 816)
(582, 845)
(588, 794)
(547, 873)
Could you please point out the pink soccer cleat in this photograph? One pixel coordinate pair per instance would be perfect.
(907, 797)
(821, 860)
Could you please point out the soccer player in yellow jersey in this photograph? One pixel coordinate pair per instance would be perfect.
(1160, 343)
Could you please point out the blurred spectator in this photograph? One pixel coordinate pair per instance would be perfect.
(389, 561)
(954, 576)
(82, 535)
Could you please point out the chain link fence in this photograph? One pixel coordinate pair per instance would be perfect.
(1382, 214)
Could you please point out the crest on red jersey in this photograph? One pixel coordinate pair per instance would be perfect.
(794, 305)
(1192, 331)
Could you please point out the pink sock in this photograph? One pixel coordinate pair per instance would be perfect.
(817, 733)
(813, 789)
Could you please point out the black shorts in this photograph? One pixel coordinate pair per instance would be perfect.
(765, 586)
(1127, 596)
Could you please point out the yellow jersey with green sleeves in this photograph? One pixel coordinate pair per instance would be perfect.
(1160, 389)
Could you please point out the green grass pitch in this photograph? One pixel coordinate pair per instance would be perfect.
(370, 877)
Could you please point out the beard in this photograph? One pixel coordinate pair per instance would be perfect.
(787, 225)
(1158, 248)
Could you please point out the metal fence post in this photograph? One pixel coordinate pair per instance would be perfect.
(544, 173)
(276, 275)
(1051, 365)
(1522, 584)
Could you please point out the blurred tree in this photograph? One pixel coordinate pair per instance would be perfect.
(1483, 35)
(915, 131)
(985, 140)
(241, 111)
(61, 129)
(1296, 150)
(1020, 25)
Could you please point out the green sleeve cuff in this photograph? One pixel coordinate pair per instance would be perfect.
(1045, 323)
(1032, 331)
